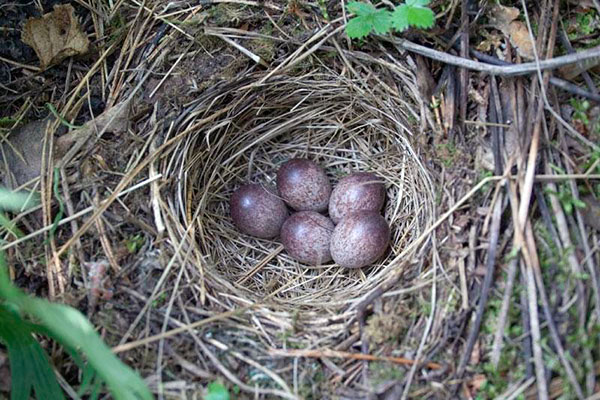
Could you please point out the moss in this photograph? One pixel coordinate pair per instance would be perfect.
(381, 372)
(387, 327)
(226, 14)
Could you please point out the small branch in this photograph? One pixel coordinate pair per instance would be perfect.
(327, 353)
(485, 290)
(498, 70)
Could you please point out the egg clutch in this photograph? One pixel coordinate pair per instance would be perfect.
(353, 235)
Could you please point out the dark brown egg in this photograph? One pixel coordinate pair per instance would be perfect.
(306, 236)
(257, 211)
(359, 191)
(303, 185)
(359, 239)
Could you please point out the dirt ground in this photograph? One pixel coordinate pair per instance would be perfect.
(499, 294)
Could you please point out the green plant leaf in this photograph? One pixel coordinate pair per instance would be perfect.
(360, 9)
(413, 13)
(382, 21)
(29, 365)
(400, 18)
(70, 328)
(358, 27)
(216, 391)
(417, 3)
(367, 19)
(16, 201)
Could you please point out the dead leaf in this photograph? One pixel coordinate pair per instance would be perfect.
(505, 20)
(491, 40)
(475, 384)
(500, 16)
(425, 81)
(21, 152)
(519, 37)
(115, 120)
(55, 36)
(21, 149)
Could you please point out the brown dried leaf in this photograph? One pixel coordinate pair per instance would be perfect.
(500, 16)
(491, 40)
(21, 151)
(505, 20)
(519, 37)
(55, 36)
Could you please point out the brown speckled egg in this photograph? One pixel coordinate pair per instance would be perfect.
(303, 185)
(257, 211)
(359, 191)
(359, 239)
(306, 236)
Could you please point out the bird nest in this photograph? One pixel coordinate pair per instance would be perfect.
(242, 132)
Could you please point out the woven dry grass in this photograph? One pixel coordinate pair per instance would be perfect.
(241, 133)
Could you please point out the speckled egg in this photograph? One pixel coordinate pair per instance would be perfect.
(303, 185)
(257, 211)
(306, 236)
(359, 191)
(359, 239)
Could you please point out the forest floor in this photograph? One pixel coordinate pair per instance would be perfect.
(491, 157)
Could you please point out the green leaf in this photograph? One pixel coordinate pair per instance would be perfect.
(361, 9)
(16, 201)
(421, 17)
(216, 391)
(400, 18)
(382, 21)
(419, 3)
(413, 13)
(70, 328)
(358, 27)
(368, 19)
(29, 365)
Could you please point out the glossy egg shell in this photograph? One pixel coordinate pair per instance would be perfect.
(359, 239)
(303, 185)
(306, 235)
(256, 210)
(356, 192)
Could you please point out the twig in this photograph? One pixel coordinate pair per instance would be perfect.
(498, 70)
(550, 321)
(106, 246)
(485, 289)
(260, 265)
(558, 82)
(526, 342)
(361, 312)
(321, 353)
(503, 315)
(75, 216)
(238, 46)
(464, 73)
(430, 319)
(536, 337)
(586, 76)
(184, 328)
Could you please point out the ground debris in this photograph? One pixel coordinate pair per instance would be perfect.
(55, 36)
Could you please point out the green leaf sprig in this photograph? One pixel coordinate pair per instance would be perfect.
(368, 18)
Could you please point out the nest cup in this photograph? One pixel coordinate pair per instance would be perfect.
(243, 132)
